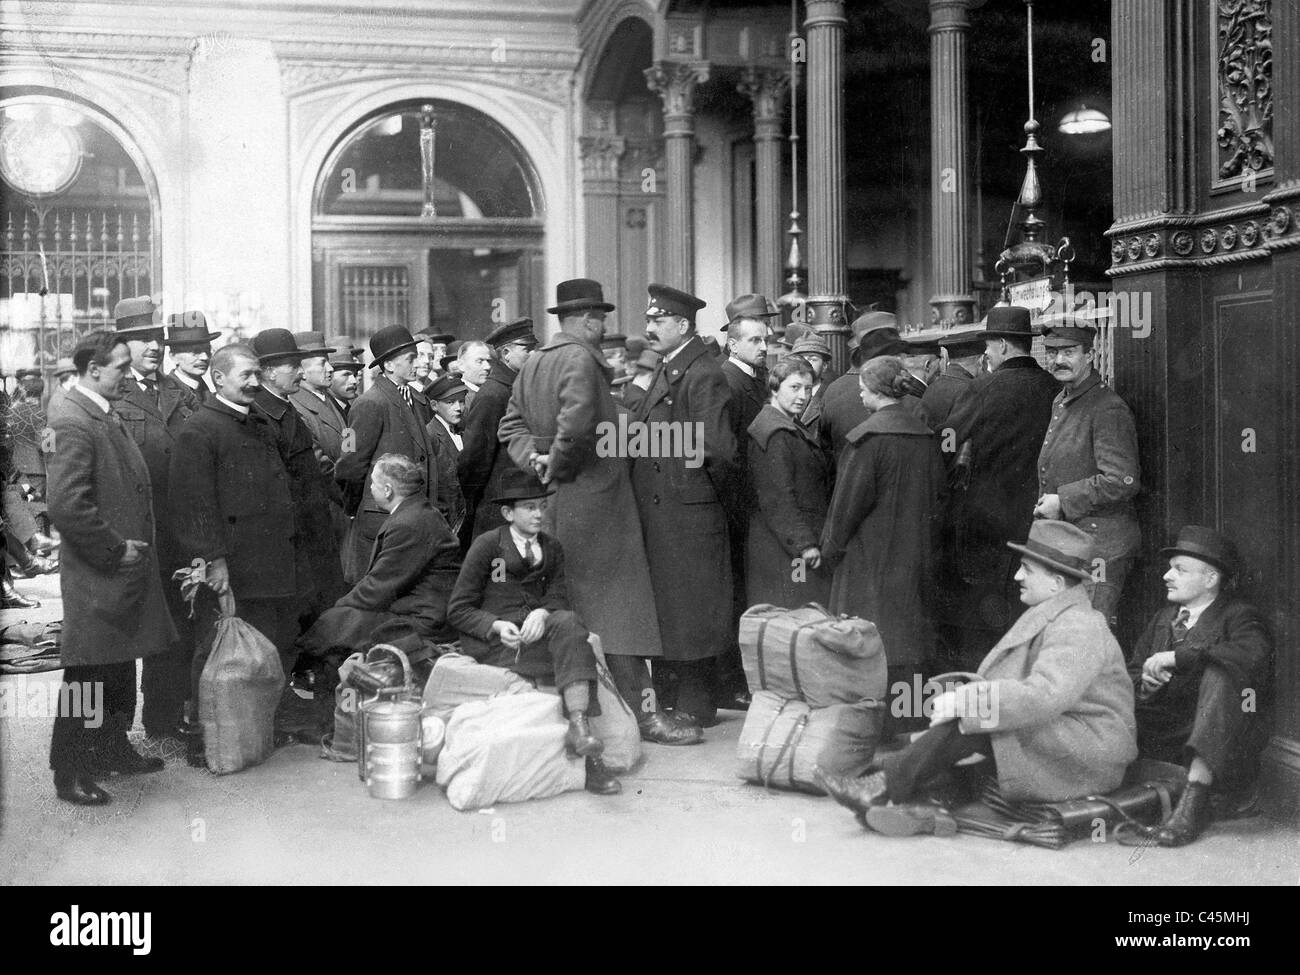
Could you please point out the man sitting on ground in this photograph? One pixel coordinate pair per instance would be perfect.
(1200, 670)
(511, 606)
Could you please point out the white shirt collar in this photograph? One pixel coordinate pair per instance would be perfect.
(673, 354)
(189, 381)
(1194, 614)
(744, 367)
(140, 377)
(521, 543)
(95, 398)
(455, 437)
(470, 385)
(312, 389)
(234, 406)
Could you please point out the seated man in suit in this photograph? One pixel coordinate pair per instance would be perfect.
(412, 569)
(511, 605)
(1200, 670)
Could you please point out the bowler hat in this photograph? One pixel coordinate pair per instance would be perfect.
(1059, 546)
(64, 367)
(447, 387)
(273, 344)
(1070, 331)
(138, 318)
(453, 353)
(312, 344)
(1207, 545)
(749, 306)
(520, 330)
(963, 343)
(812, 344)
(1008, 321)
(577, 294)
(388, 342)
(519, 485)
(189, 328)
(672, 301)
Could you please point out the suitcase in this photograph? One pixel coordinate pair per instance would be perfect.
(809, 655)
(782, 742)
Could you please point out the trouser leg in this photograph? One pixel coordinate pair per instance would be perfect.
(694, 683)
(1224, 733)
(930, 755)
(96, 710)
(631, 676)
(165, 677)
(1107, 590)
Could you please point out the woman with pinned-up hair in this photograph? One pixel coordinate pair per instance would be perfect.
(882, 530)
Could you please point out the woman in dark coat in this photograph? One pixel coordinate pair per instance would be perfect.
(791, 477)
(882, 531)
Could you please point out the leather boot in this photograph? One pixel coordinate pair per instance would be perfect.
(79, 789)
(660, 729)
(579, 740)
(115, 754)
(858, 794)
(600, 779)
(13, 599)
(911, 819)
(1189, 819)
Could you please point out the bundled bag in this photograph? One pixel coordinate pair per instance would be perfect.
(458, 679)
(507, 749)
(239, 691)
(782, 742)
(809, 655)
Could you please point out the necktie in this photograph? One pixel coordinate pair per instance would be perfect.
(1180, 625)
(406, 395)
(530, 556)
(150, 388)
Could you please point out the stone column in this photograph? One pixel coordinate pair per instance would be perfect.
(952, 304)
(825, 24)
(767, 88)
(675, 82)
(600, 190)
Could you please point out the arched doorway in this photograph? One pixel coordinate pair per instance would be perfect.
(79, 213)
(456, 245)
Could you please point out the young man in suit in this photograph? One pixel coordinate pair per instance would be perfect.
(447, 397)
(1201, 670)
(511, 605)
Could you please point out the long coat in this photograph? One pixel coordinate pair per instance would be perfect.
(559, 405)
(942, 394)
(100, 496)
(1090, 459)
(484, 460)
(451, 497)
(381, 423)
(326, 423)
(841, 411)
(231, 499)
(1057, 703)
(748, 395)
(682, 515)
(882, 532)
(791, 477)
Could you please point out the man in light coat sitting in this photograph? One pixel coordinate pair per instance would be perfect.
(1053, 707)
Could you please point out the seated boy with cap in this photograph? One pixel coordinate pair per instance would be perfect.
(511, 606)
(1200, 670)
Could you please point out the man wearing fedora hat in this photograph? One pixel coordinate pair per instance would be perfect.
(992, 438)
(1088, 471)
(388, 418)
(189, 343)
(484, 460)
(317, 409)
(557, 407)
(154, 407)
(1201, 670)
(1052, 705)
(345, 366)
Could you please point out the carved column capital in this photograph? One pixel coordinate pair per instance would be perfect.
(766, 87)
(949, 15)
(600, 156)
(675, 83)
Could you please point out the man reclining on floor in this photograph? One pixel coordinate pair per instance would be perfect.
(1054, 709)
(511, 606)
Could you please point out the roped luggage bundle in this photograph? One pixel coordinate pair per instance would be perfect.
(783, 742)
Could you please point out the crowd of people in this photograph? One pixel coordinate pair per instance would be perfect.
(977, 507)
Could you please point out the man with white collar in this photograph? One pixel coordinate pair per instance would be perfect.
(473, 364)
(312, 399)
(189, 343)
(447, 399)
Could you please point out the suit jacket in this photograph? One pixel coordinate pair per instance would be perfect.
(231, 499)
(488, 590)
(451, 497)
(1056, 702)
(200, 392)
(325, 423)
(100, 496)
(484, 459)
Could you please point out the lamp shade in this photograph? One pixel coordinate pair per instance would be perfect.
(1084, 121)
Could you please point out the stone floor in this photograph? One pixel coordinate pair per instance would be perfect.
(683, 817)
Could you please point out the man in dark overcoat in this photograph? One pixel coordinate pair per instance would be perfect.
(963, 350)
(154, 407)
(388, 418)
(101, 502)
(189, 343)
(875, 333)
(680, 498)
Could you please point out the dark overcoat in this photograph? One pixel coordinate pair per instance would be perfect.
(682, 515)
(380, 423)
(791, 476)
(484, 459)
(231, 499)
(325, 424)
(559, 406)
(100, 496)
(941, 395)
(882, 532)
(841, 411)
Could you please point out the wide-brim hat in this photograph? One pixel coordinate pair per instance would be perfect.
(519, 485)
(312, 344)
(1207, 545)
(749, 306)
(578, 294)
(519, 331)
(1060, 546)
(64, 367)
(388, 342)
(138, 318)
(188, 328)
(1009, 321)
(447, 388)
(273, 345)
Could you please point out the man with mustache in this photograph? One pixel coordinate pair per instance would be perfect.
(1088, 467)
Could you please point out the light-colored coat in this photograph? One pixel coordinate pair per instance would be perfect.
(1057, 701)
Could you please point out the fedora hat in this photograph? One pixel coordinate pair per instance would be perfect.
(388, 342)
(870, 321)
(749, 306)
(1060, 546)
(188, 328)
(273, 344)
(793, 333)
(577, 294)
(312, 344)
(1207, 545)
(346, 354)
(812, 344)
(1009, 320)
(614, 340)
(138, 318)
(519, 485)
(877, 342)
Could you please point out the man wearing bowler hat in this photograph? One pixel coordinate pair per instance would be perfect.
(992, 437)
(681, 500)
(1088, 470)
(484, 459)
(1201, 670)
(388, 418)
(153, 408)
(189, 343)
(558, 408)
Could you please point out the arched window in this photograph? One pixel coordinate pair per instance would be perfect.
(450, 239)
